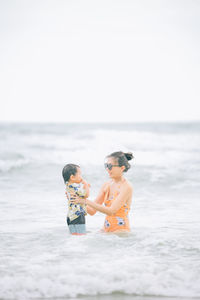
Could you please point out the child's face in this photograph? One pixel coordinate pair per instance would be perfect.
(77, 178)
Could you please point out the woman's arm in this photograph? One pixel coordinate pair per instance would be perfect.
(125, 193)
(99, 200)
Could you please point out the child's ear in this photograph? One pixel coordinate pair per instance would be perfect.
(71, 177)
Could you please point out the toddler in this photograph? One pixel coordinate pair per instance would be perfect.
(75, 185)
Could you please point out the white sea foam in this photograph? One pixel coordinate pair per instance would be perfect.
(160, 257)
(143, 263)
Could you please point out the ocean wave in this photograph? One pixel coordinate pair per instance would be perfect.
(142, 279)
(17, 163)
(90, 145)
(41, 260)
(144, 263)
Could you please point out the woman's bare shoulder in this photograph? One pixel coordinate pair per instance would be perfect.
(128, 185)
(106, 185)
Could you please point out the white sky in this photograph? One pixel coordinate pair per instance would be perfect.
(104, 60)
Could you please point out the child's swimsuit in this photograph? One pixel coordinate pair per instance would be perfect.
(76, 212)
(119, 221)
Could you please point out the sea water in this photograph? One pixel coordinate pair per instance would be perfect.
(159, 258)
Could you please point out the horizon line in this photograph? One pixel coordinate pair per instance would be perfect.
(99, 122)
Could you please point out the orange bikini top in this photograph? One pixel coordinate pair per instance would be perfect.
(108, 200)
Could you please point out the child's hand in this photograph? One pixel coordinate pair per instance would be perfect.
(85, 183)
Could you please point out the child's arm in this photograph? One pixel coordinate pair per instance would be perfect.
(86, 188)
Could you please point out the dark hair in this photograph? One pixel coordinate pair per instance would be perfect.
(68, 170)
(122, 159)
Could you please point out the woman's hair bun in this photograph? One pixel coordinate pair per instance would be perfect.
(122, 159)
(129, 155)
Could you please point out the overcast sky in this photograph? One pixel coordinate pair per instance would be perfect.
(81, 60)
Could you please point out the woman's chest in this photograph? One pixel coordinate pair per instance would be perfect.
(112, 195)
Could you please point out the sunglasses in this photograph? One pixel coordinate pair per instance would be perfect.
(109, 166)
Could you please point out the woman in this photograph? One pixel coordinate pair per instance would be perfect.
(116, 194)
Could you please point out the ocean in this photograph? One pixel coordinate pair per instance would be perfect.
(158, 259)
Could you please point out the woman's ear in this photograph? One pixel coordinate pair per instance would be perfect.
(123, 168)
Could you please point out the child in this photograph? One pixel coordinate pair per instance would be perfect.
(75, 185)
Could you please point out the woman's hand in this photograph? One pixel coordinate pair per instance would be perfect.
(76, 200)
(72, 195)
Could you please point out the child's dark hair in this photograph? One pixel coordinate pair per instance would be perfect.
(68, 170)
(122, 159)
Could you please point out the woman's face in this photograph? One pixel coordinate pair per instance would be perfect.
(115, 171)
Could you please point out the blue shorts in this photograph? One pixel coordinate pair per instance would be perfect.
(77, 226)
